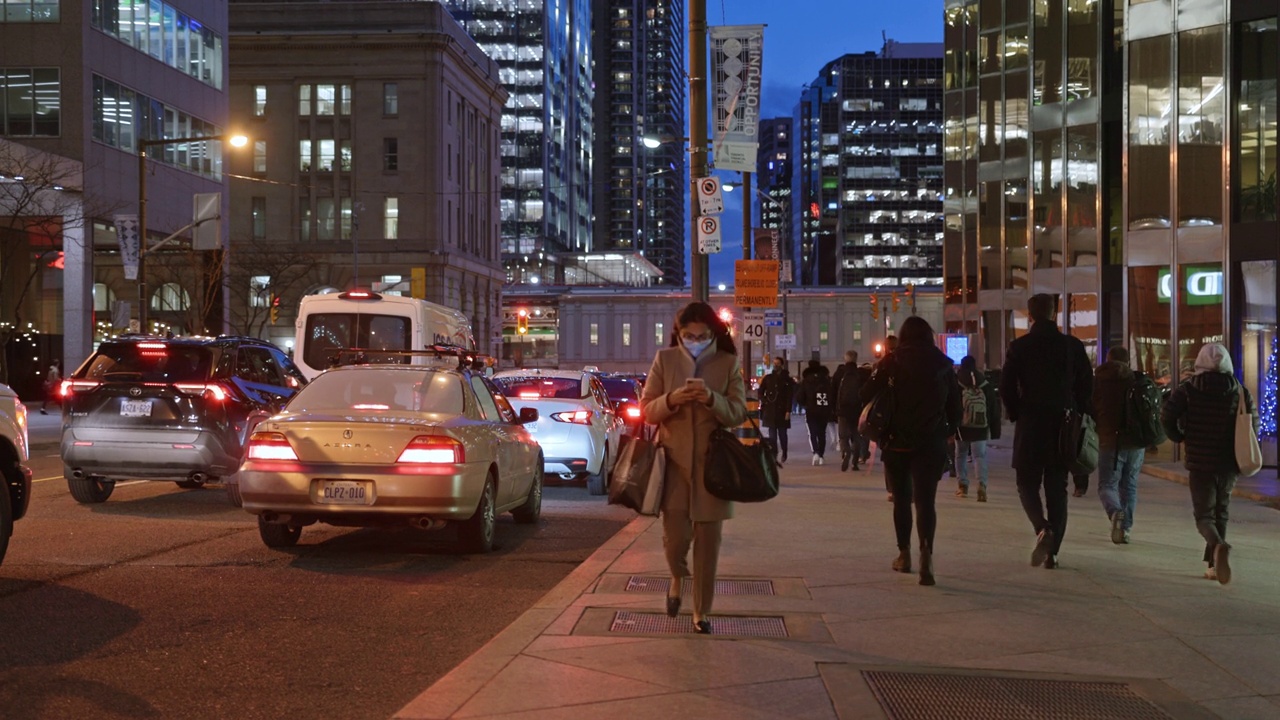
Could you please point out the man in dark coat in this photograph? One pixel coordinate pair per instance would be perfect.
(847, 384)
(776, 392)
(1119, 461)
(1201, 412)
(817, 399)
(1045, 374)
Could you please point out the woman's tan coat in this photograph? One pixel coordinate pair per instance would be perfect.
(685, 431)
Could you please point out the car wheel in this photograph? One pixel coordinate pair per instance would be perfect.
(6, 520)
(598, 484)
(189, 484)
(475, 534)
(278, 535)
(531, 510)
(233, 493)
(90, 490)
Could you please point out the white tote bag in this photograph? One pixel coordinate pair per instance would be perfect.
(1248, 454)
(657, 477)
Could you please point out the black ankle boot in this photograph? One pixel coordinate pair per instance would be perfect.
(926, 566)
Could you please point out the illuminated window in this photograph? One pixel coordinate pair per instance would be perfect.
(595, 334)
(391, 218)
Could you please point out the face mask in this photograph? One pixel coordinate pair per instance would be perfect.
(695, 348)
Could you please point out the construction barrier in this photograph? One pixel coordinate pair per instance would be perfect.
(746, 432)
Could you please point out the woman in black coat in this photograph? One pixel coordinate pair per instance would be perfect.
(926, 411)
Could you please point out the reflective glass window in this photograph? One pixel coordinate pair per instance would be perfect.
(1150, 104)
(1047, 63)
(1202, 107)
(1082, 49)
(1046, 182)
(1256, 120)
(1149, 323)
(1082, 195)
(1199, 290)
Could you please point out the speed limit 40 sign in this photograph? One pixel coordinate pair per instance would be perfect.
(753, 327)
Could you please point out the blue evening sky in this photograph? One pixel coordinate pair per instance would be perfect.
(801, 36)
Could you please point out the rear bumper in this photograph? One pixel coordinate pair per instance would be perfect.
(152, 460)
(574, 452)
(449, 492)
(564, 466)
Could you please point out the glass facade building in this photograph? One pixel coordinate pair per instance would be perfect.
(1120, 156)
(774, 165)
(544, 52)
(640, 193)
(867, 188)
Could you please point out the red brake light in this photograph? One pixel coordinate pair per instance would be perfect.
(153, 349)
(370, 406)
(73, 386)
(270, 446)
(433, 449)
(633, 412)
(215, 391)
(530, 395)
(577, 417)
(359, 295)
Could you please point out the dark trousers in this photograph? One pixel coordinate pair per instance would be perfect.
(1210, 495)
(913, 479)
(817, 432)
(778, 436)
(850, 443)
(1081, 481)
(1054, 482)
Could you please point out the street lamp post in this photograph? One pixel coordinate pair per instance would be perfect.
(235, 140)
(697, 140)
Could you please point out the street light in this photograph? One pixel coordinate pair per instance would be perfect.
(235, 141)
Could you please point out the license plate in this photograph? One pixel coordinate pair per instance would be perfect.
(344, 492)
(135, 408)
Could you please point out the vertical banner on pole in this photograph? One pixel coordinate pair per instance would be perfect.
(736, 61)
(130, 244)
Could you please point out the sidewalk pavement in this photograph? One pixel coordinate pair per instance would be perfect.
(1135, 629)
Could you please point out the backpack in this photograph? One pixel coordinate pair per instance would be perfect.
(1141, 424)
(974, 401)
(848, 395)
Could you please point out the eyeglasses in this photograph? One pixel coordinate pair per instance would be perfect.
(697, 338)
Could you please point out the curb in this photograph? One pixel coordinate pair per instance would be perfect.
(1182, 479)
(448, 694)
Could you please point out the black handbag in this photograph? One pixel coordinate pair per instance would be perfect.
(1078, 443)
(873, 424)
(738, 472)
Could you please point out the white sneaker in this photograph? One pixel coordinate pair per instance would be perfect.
(815, 459)
(822, 460)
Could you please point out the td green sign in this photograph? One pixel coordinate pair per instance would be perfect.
(1202, 284)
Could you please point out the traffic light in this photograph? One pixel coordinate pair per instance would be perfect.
(878, 350)
(896, 300)
(275, 309)
(522, 321)
(911, 297)
(875, 306)
(726, 317)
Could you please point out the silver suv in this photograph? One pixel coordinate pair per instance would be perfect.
(177, 409)
(15, 476)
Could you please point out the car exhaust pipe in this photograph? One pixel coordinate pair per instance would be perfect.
(422, 522)
(198, 477)
(78, 474)
(275, 518)
(568, 476)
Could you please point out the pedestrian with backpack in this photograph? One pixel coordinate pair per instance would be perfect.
(848, 382)
(1201, 412)
(977, 398)
(817, 399)
(777, 390)
(1127, 407)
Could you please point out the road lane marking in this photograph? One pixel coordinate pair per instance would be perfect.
(54, 477)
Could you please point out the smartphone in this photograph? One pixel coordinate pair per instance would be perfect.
(698, 383)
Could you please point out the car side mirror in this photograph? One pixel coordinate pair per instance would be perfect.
(528, 415)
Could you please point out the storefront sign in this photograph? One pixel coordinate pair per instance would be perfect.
(1203, 285)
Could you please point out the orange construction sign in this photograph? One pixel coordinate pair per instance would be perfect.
(755, 283)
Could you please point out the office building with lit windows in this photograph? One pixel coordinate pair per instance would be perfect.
(773, 181)
(373, 161)
(867, 189)
(640, 192)
(544, 51)
(81, 84)
(1121, 157)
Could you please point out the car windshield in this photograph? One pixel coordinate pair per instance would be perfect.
(620, 388)
(156, 361)
(534, 386)
(328, 332)
(370, 388)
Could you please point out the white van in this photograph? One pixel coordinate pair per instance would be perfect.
(362, 319)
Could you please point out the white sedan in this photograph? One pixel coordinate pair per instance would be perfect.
(393, 444)
(578, 429)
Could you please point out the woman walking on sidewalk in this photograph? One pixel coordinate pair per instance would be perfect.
(1201, 412)
(686, 414)
(926, 411)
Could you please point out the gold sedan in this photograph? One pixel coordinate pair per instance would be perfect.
(393, 444)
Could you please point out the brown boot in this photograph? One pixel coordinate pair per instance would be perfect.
(926, 566)
(902, 563)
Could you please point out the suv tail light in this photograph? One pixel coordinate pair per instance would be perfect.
(270, 446)
(433, 449)
(215, 391)
(76, 386)
(633, 412)
(577, 417)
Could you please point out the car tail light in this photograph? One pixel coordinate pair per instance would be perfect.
(633, 412)
(270, 446)
(213, 390)
(75, 386)
(433, 449)
(152, 349)
(370, 406)
(577, 417)
(529, 395)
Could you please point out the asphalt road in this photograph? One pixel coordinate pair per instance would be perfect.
(164, 603)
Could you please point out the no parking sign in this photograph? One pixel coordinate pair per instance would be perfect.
(708, 234)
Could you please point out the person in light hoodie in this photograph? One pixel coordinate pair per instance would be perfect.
(1200, 413)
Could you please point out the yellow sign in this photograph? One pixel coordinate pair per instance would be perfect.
(418, 283)
(755, 283)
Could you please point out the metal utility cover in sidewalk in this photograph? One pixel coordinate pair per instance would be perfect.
(925, 696)
(638, 623)
(654, 584)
